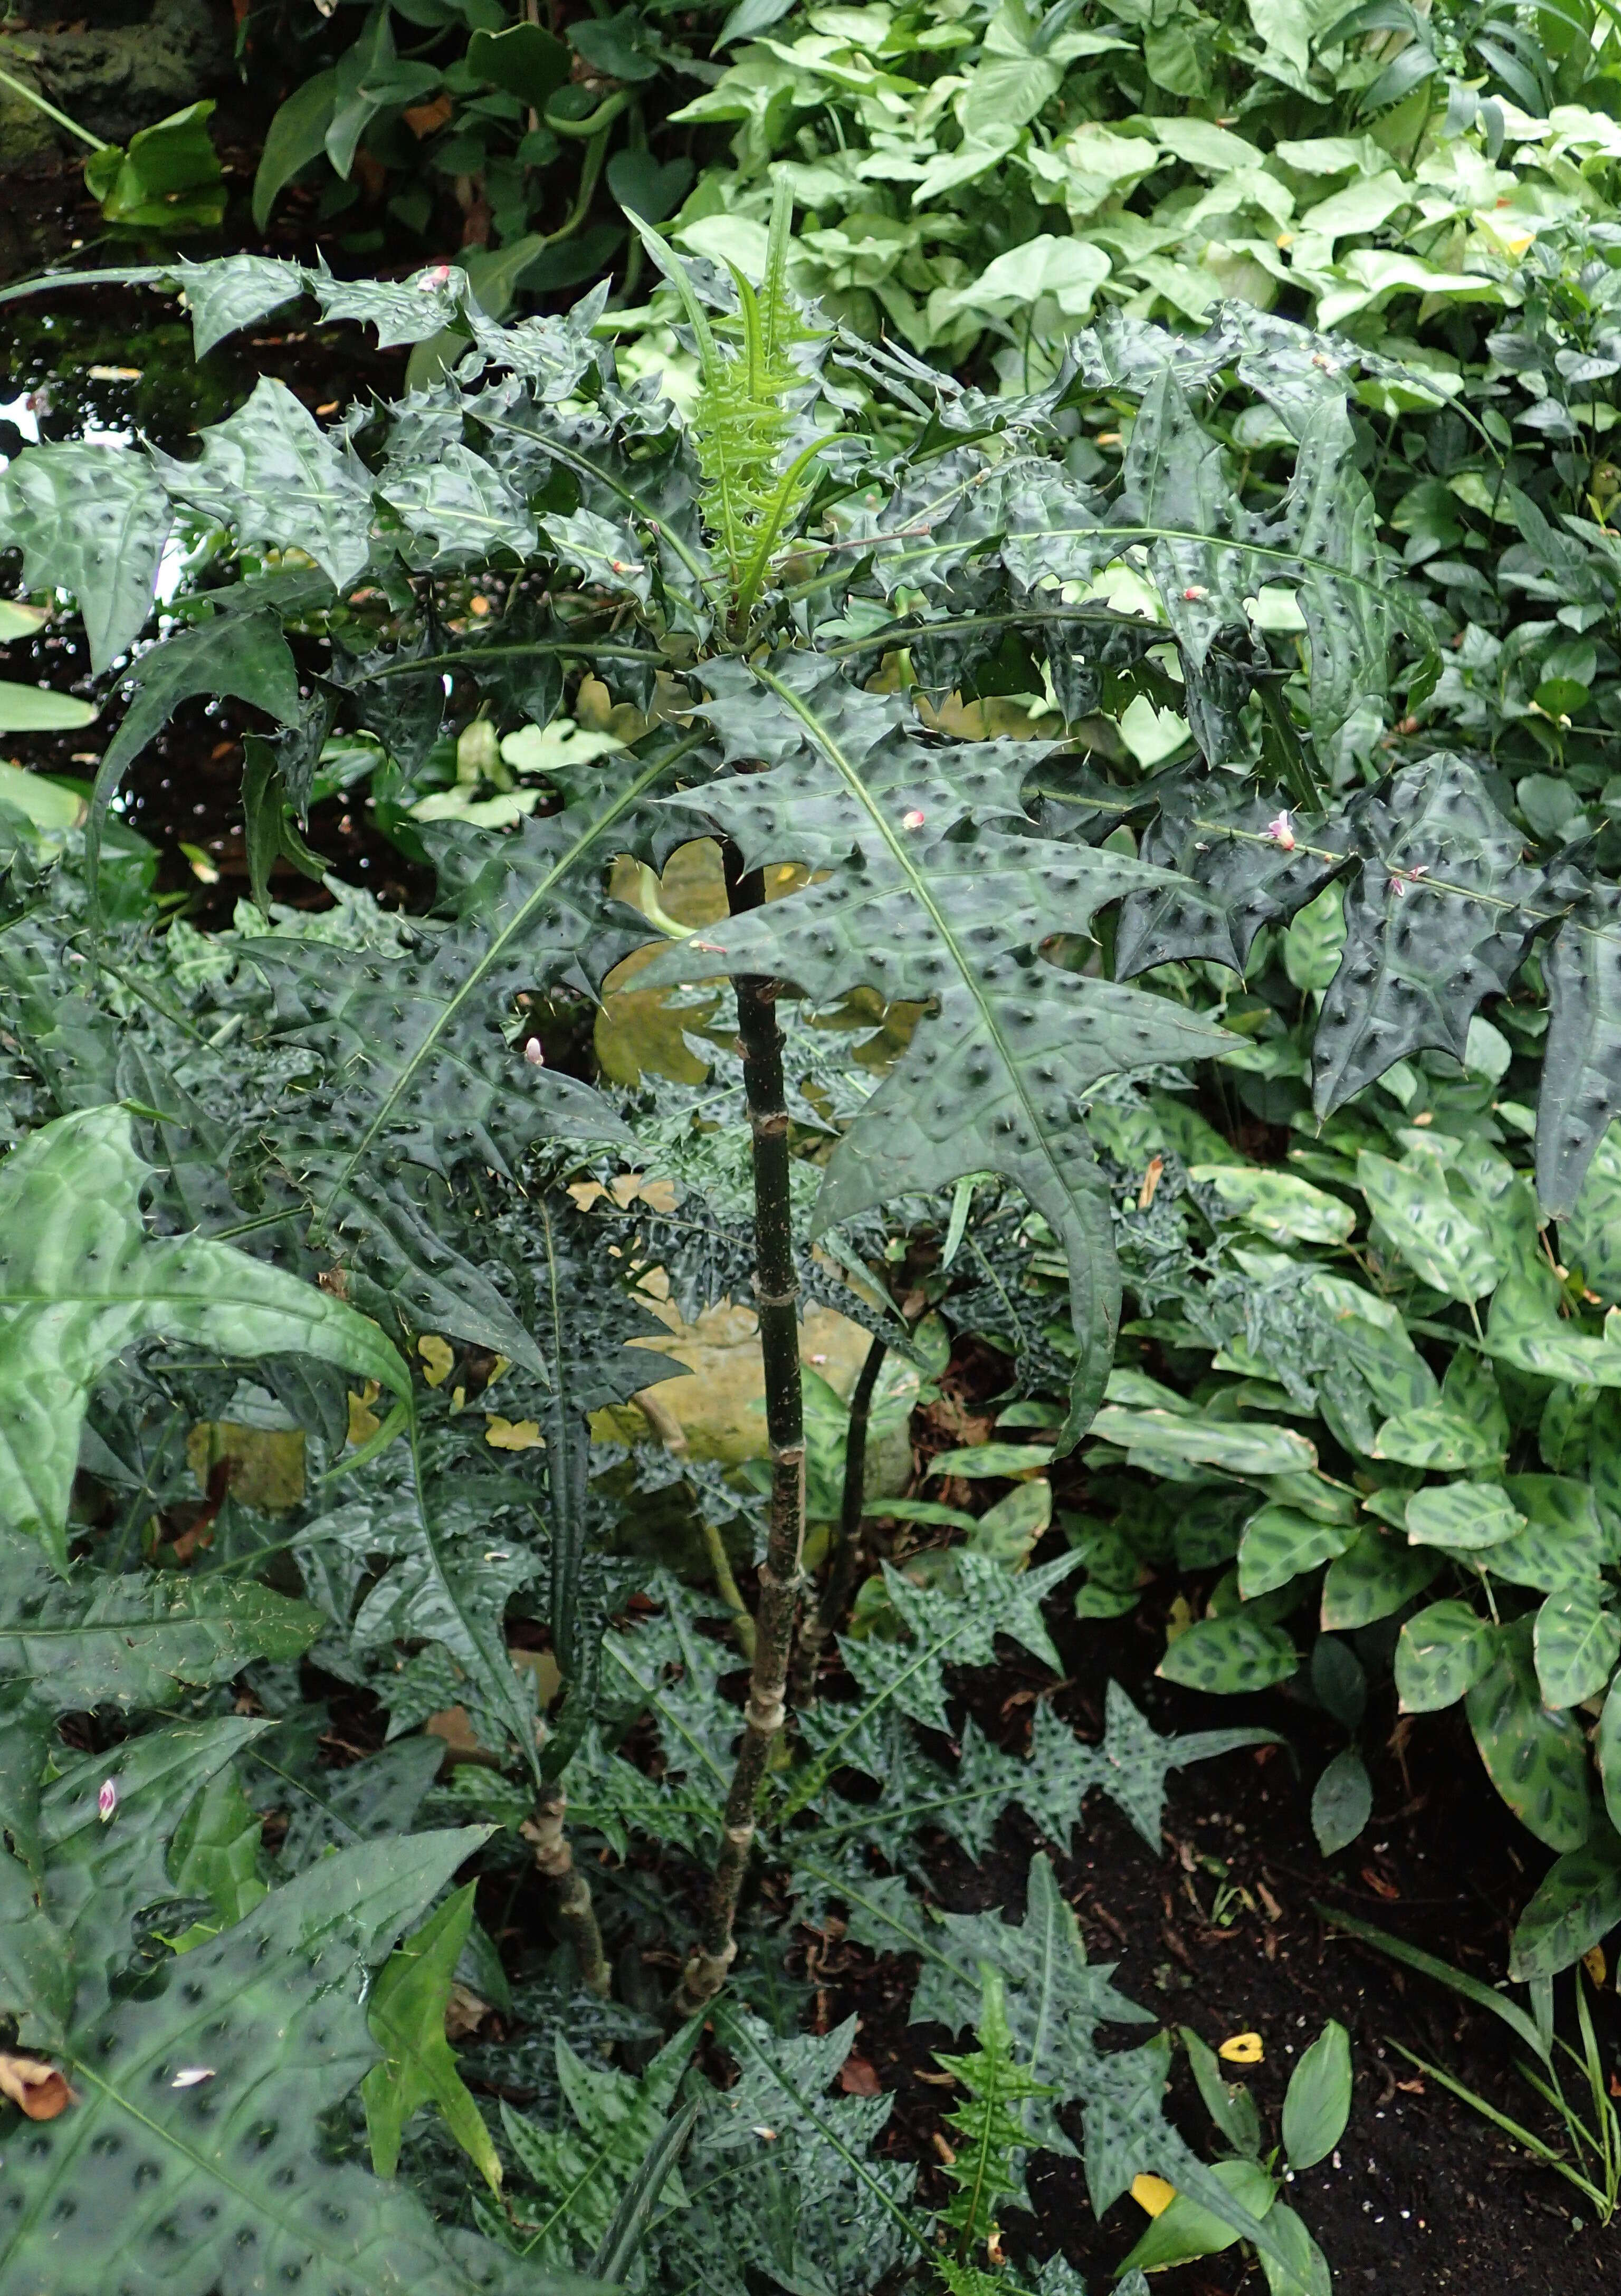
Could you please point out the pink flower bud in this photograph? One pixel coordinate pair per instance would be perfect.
(439, 276)
(1280, 828)
(912, 820)
(534, 1053)
(1195, 592)
(107, 1800)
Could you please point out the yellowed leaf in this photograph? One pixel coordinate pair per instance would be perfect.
(1152, 2193)
(1243, 2049)
(513, 1434)
(363, 1421)
(437, 1355)
(1595, 1965)
(1177, 1618)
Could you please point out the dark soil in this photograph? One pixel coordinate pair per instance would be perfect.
(1423, 2195)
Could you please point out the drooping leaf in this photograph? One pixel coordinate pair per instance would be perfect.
(134, 1639)
(991, 1080)
(81, 1280)
(1536, 1761)
(406, 2015)
(92, 520)
(1578, 1903)
(1438, 919)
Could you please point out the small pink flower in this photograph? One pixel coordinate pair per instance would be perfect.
(1400, 886)
(1195, 593)
(1280, 828)
(107, 1800)
(912, 820)
(439, 276)
(192, 2075)
(534, 1053)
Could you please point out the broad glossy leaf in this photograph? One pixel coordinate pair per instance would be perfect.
(1440, 1436)
(1342, 1802)
(271, 476)
(1463, 1518)
(40, 710)
(1188, 2228)
(1577, 1641)
(273, 2013)
(994, 1077)
(92, 520)
(1536, 1761)
(1372, 1579)
(1578, 1903)
(1229, 1654)
(1317, 2105)
(1289, 1210)
(81, 1280)
(1238, 1447)
(136, 1639)
(406, 2016)
(1448, 1241)
(1443, 1651)
(1438, 919)
(1280, 1545)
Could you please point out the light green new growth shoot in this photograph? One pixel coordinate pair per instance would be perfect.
(743, 417)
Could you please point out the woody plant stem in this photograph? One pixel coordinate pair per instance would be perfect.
(571, 1893)
(782, 1573)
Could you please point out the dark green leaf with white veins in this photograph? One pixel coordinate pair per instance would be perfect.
(1437, 920)
(1536, 1761)
(192, 2161)
(92, 520)
(81, 1280)
(993, 1078)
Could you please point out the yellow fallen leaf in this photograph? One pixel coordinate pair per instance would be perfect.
(1243, 2049)
(1178, 1619)
(363, 1421)
(439, 1357)
(1595, 1965)
(1152, 2193)
(513, 1434)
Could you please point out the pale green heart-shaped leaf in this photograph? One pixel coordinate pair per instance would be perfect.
(1442, 1652)
(1463, 1518)
(1578, 1641)
(1448, 1243)
(1278, 1545)
(1229, 1654)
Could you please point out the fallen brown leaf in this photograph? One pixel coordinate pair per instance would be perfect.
(857, 2078)
(38, 2088)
